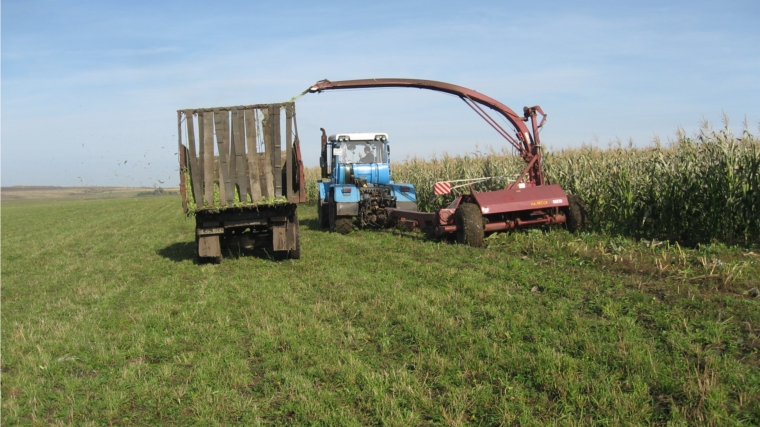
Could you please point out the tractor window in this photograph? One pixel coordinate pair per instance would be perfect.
(361, 152)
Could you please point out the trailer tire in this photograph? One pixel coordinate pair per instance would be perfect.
(469, 221)
(577, 214)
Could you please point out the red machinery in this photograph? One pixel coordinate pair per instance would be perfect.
(529, 201)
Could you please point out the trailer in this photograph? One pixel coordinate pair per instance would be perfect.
(238, 181)
(531, 200)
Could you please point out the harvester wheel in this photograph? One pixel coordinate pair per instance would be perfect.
(577, 215)
(469, 223)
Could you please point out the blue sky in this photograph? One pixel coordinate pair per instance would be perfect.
(88, 86)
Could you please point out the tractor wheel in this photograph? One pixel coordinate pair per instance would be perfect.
(577, 215)
(469, 223)
(323, 216)
(342, 225)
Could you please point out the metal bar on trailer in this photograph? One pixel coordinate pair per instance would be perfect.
(208, 157)
(289, 154)
(239, 107)
(253, 157)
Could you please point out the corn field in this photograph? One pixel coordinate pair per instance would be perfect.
(692, 190)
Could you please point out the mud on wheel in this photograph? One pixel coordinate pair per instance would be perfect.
(469, 223)
(342, 225)
(577, 214)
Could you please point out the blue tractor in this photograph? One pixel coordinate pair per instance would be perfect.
(356, 182)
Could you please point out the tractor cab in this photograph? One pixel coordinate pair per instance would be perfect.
(359, 148)
(352, 158)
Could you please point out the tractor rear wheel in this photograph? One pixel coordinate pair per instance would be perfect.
(469, 223)
(342, 225)
(323, 216)
(577, 215)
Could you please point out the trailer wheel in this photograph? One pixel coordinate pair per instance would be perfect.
(469, 223)
(577, 215)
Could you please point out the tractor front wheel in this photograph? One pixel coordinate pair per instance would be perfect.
(469, 223)
(577, 215)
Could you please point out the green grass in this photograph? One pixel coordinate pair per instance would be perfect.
(106, 319)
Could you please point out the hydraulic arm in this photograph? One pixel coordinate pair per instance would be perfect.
(525, 140)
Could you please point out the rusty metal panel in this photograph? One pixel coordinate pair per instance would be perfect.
(195, 174)
(274, 113)
(209, 246)
(253, 159)
(208, 157)
(521, 199)
(280, 238)
(292, 233)
(289, 153)
(238, 135)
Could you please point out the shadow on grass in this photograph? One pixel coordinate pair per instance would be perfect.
(185, 251)
(311, 224)
(178, 252)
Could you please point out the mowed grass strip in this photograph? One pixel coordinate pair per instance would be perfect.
(106, 319)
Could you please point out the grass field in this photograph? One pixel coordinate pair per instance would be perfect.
(36, 193)
(107, 320)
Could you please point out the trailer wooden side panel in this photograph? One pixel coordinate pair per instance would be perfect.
(208, 158)
(239, 158)
(252, 158)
